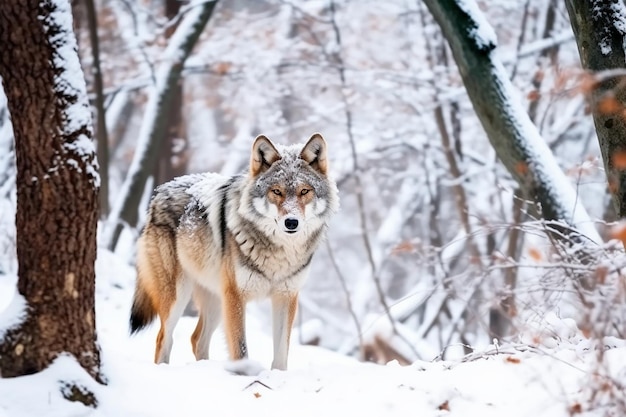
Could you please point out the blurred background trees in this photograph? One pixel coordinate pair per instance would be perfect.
(438, 247)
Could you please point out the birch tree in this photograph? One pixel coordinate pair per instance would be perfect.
(57, 190)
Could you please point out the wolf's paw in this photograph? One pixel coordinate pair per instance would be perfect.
(246, 367)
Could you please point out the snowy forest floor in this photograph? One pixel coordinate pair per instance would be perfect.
(570, 377)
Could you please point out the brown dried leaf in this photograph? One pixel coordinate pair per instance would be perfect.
(533, 95)
(535, 254)
(222, 68)
(609, 105)
(521, 168)
(619, 232)
(601, 273)
(576, 408)
(403, 247)
(619, 159)
(444, 406)
(586, 331)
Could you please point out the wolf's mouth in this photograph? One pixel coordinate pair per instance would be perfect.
(290, 231)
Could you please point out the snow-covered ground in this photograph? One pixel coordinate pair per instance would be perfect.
(554, 381)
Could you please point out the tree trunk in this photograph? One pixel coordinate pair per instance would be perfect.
(598, 29)
(172, 159)
(57, 189)
(512, 134)
(102, 133)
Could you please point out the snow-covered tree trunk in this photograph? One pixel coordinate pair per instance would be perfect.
(57, 190)
(153, 129)
(600, 30)
(514, 137)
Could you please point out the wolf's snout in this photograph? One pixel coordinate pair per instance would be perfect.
(291, 224)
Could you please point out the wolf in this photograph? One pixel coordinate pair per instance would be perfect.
(224, 241)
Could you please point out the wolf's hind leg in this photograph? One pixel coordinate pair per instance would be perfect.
(209, 316)
(169, 317)
(284, 308)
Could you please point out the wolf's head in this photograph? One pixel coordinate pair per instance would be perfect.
(290, 188)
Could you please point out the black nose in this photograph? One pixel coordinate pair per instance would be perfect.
(291, 224)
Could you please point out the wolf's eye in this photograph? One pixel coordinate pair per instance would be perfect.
(277, 192)
(304, 191)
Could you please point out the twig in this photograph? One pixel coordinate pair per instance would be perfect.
(344, 286)
(520, 39)
(256, 381)
(357, 177)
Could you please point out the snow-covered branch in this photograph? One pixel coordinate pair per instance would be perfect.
(515, 138)
(152, 131)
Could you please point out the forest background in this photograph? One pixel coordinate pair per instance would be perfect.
(438, 247)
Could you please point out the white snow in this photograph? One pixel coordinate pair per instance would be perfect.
(12, 311)
(521, 380)
(483, 33)
(545, 43)
(70, 81)
(617, 15)
(551, 370)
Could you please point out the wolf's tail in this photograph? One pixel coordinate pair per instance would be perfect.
(142, 312)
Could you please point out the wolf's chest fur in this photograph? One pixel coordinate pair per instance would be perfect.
(214, 222)
(264, 266)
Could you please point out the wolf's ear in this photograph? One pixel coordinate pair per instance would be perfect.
(314, 152)
(264, 154)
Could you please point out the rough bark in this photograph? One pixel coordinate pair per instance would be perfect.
(57, 188)
(153, 129)
(527, 159)
(599, 31)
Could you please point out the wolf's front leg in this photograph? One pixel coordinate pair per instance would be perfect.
(234, 310)
(283, 313)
